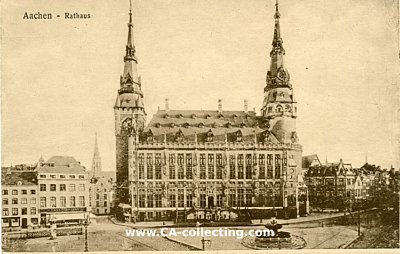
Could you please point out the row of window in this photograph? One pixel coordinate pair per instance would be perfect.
(15, 192)
(62, 201)
(14, 201)
(62, 187)
(240, 167)
(42, 176)
(15, 211)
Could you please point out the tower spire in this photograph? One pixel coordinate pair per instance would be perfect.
(96, 163)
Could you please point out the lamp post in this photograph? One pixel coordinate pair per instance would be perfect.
(86, 224)
(203, 240)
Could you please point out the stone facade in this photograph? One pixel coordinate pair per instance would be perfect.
(186, 161)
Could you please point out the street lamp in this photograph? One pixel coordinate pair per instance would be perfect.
(203, 240)
(86, 224)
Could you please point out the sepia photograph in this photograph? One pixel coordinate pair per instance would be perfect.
(200, 125)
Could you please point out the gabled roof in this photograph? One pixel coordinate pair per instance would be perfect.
(310, 160)
(61, 164)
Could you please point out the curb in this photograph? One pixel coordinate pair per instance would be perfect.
(347, 245)
(182, 243)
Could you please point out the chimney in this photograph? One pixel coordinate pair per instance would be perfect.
(220, 106)
(166, 104)
(246, 106)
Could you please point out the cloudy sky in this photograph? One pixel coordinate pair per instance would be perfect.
(60, 77)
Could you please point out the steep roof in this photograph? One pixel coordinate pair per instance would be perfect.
(18, 178)
(61, 164)
(308, 160)
(197, 124)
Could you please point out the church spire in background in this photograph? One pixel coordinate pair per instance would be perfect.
(96, 163)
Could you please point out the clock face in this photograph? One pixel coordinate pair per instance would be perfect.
(291, 170)
(281, 74)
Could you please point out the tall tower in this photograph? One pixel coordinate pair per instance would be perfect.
(279, 107)
(130, 116)
(96, 162)
(279, 110)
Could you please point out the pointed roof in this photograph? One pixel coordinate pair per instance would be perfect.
(96, 146)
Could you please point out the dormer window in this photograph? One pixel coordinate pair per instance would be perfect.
(239, 136)
(172, 125)
(228, 125)
(267, 137)
(201, 125)
(180, 116)
(179, 136)
(166, 116)
(208, 116)
(193, 116)
(220, 115)
(186, 125)
(158, 125)
(150, 136)
(242, 125)
(210, 136)
(278, 109)
(214, 125)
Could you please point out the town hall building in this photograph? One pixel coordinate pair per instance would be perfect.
(209, 164)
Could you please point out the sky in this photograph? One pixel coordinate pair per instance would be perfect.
(59, 77)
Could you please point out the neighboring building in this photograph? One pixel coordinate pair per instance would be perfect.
(102, 195)
(206, 162)
(309, 161)
(19, 198)
(102, 186)
(63, 191)
(331, 185)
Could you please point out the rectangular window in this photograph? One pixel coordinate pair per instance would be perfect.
(232, 199)
(42, 187)
(141, 166)
(82, 201)
(71, 187)
(105, 204)
(172, 200)
(5, 212)
(172, 166)
(142, 198)
(43, 202)
(33, 210)
(33, 192)
(189, 167)
(33, 200)
(240, 197)
(63, 201)
(5, 201)
(81, 177)
(261, 166)
(14, 201)
(15, 192)
(202, 200)
(181, 169)
(211, 166)
(232, 168)
(62, 176)
(24, 201)
(24, 211)
(202, 166)
(158, 166)
(81, 187)
(63, 187)
(248, 166)
(240, 166)
(150, 201)
(248, 197)
(150, 166)
(52, 187)
(219, 200)
(181, 198)
(157, 199)
(219, 166)
(24, 192)
(53, 202)
(72, 201)
(53, 176)
(105, 196)
(15, 211)
(277, 166)
(72, 176)
(42, 176)
(5, 192)
(189, 199)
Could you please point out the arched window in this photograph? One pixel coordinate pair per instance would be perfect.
(278, 109)
(210, 136)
